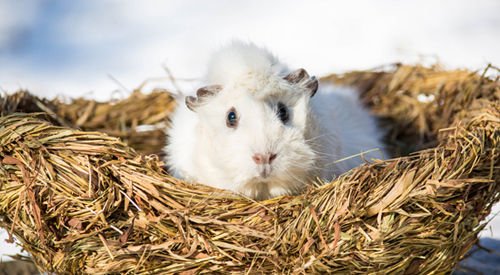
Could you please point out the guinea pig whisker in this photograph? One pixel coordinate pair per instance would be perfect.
(314, 138)
(291, 176)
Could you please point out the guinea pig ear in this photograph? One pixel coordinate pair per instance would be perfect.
(302, 77)
(202, 94)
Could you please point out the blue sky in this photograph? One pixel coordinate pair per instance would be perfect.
(55, 47)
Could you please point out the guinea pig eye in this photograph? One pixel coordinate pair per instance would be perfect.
(232, 118)
(282, 112)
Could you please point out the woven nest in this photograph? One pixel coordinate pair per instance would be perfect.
(83, 202)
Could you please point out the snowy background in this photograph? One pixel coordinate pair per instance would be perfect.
(95, 48)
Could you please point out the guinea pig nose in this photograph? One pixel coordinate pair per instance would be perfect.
(262, 159)
(272, 157)
(258, 158)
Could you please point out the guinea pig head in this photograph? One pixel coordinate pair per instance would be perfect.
(258, 139)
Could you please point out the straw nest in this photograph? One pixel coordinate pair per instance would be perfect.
(83, 202)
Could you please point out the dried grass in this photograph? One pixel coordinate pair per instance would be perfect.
(83, 202)
(118, 118)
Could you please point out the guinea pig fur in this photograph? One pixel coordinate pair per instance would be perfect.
(264, 131)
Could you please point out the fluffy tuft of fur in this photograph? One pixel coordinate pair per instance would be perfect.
(244, 64)
(282, 138)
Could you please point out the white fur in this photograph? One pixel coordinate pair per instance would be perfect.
(327, 127)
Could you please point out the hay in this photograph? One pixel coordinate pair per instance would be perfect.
(116, 118)
(86, 203)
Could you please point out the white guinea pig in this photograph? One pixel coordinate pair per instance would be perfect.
(263, 131)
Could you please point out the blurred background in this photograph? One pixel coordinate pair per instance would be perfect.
(105, 49)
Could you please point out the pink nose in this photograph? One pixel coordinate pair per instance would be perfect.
(264, 159)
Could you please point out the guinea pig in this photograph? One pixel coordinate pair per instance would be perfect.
(264, 131)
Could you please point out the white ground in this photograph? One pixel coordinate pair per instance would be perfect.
(77, 48)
